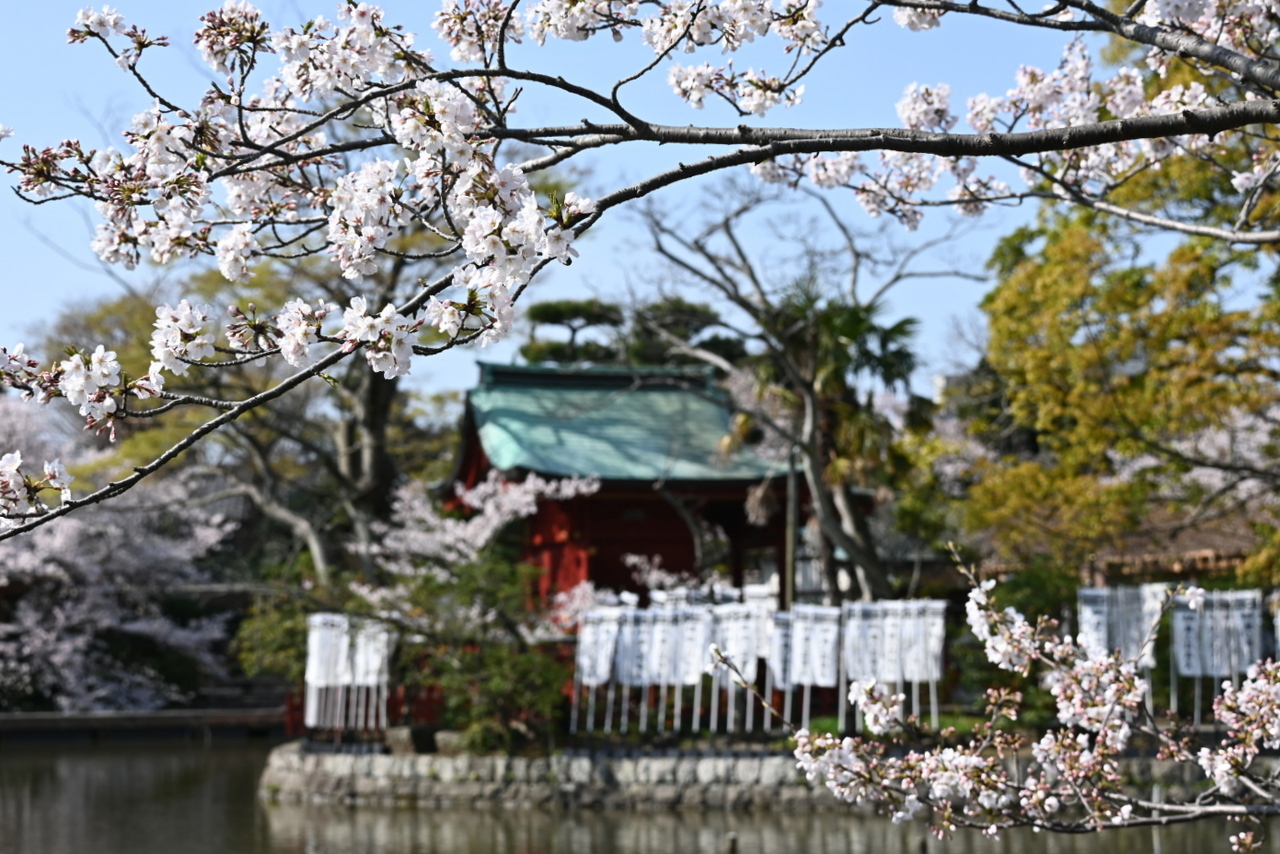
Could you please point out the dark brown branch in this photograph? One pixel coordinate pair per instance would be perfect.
(775, 142)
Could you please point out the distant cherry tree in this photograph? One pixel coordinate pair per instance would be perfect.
(83, 622)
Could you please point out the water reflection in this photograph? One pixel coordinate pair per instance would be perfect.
(142, 797)
(301, 829)
(139, 796)
(314, 830)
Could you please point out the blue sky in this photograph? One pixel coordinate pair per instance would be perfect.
(55, 90)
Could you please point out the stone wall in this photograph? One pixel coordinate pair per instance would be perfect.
(687, 781)
(439, 782)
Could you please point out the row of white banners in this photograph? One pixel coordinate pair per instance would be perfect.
(348, 671)
(1219, 638)
(892, 642)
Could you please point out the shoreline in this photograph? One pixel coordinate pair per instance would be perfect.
(598, 781)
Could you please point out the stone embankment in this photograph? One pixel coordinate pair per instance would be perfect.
(597, 781)
(687, 781)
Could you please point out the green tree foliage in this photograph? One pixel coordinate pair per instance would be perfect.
(501, 690)
(575, 316)
(656, 323)
(1137, 396)
(641, 337)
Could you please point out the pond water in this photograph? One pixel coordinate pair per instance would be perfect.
(153, 797)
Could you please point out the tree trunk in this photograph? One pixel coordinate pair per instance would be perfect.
(839, 522)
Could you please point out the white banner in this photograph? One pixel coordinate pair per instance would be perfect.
(815, 645)
(780, 651)
(1092, 610)
(737, 633)
(1120, 618)
(695, 645)
(348, 669)
(662, 666)
(894, 641)
(635, 638)
(1222, 637)
(597, 644)
(862, 647)
(924, 634)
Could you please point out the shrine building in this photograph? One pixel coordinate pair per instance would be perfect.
(653, 437)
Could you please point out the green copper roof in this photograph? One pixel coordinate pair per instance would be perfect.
(614, 423)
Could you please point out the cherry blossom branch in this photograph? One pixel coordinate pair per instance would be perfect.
(1227, 235)
(776, 142)
(118, 487)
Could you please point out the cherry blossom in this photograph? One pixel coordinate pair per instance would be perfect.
(180, 336)
(341, 138)
(342, 141)
(424, 540)
(60, 631)
(1074, 781)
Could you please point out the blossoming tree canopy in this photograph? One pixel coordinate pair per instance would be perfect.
(335, 136)
(87, 622)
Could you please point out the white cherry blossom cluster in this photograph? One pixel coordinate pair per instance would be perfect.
(366, 212)
(854, 770)
(104, 22)
(966, 783)
(20, 494)
(63, 619)
(156, 198)
(387, 336)
(91, 385)
(574, 20)
(881, 710)
(1009, 640)
(917, 20)
(232, 37)
(181, 337)
(426, 539)
(94, 383)
(1226, 767)
(1067, 96)
(730, 24)
(475, 27)
(750, 91)
(1251, 713)
(434, 120)
(647, 571)
(351, 54)
(901, 178)
(567, 608)
(1099, 695)
(294, 330)
(1074, 779)
(299, 326)
(234, 252)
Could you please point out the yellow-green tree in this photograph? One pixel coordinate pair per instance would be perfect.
(1149, 384)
